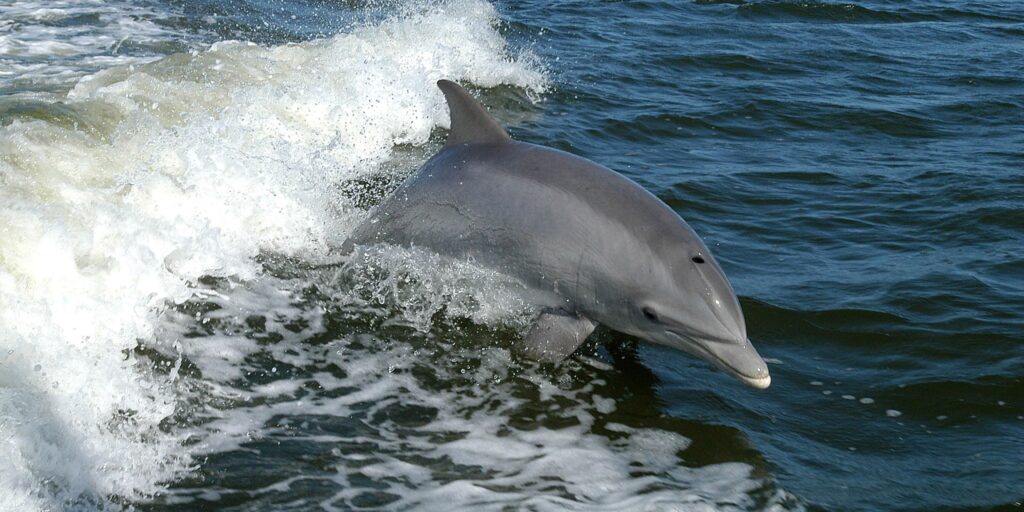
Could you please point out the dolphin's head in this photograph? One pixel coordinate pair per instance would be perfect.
(688, 304)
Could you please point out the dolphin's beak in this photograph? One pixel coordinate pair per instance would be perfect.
(740, 360)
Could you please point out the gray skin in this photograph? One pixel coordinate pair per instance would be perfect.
(592, 246)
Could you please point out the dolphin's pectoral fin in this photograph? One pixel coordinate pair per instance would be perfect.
(555, 335)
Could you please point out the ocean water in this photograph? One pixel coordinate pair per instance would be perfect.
(178, 331)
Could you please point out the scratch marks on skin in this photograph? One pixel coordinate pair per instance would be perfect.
(579, 264)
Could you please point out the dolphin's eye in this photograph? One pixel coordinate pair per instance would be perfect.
(697, 259)
(650, 314)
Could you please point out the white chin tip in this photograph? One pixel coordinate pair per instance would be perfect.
(759, 383)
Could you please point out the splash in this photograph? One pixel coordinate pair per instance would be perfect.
(148, 177)
(390, 417)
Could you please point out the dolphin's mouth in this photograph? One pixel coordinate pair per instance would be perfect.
(755, 382)
(740, 361)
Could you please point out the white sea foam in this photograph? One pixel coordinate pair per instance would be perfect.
(462, 449)
(40, 47)
(188, 166)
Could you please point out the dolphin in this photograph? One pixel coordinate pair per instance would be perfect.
(592, 246)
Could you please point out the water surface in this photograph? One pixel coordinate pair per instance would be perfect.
(177, 331)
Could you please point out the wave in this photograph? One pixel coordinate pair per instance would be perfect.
(46, 44)
(854, 13)
(339, 383)
(120, 197)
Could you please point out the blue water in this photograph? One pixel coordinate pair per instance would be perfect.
(857, 169)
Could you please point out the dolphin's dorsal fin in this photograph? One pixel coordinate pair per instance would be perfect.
(470, 121)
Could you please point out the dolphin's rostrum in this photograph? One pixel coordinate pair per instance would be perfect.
(593, 246)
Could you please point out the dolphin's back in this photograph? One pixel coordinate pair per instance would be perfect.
(526, 210)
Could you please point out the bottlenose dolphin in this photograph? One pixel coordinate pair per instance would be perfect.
(591, 245)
